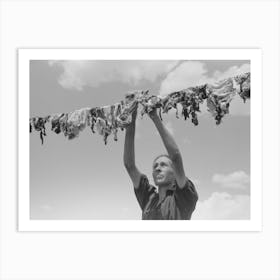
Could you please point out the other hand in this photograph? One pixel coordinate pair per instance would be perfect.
(153, 114)
(134, 108)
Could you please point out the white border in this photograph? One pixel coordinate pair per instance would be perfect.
(254, 55)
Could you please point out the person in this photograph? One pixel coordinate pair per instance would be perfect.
(175, 197)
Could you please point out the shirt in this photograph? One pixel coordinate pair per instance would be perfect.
(178, 204)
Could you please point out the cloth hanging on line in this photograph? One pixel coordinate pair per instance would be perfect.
(109, 119)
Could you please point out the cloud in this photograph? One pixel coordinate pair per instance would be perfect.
(235, 180)
(193, 73)
(232, 71)
(78, 74)
(223, 206)
(187, 74)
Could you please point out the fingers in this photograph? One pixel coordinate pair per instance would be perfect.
(133, 106)
(153, 112)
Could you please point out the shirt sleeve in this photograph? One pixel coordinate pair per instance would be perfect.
(144, 191)
(186, 198)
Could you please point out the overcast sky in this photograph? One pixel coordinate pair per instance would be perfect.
(84, 179)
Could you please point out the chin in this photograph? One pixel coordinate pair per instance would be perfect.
(159, 183)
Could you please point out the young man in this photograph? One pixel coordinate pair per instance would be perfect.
(176, 196)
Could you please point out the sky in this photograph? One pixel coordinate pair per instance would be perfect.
(85, 179)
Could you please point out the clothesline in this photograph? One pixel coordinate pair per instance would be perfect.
(108, 119)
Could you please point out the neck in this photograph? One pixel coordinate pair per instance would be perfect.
(163, 189)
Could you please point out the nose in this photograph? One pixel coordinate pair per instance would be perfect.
(158, 169)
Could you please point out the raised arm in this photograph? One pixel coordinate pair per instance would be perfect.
(129, 152)
(172, 149)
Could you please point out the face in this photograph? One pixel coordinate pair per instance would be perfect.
(163, 173)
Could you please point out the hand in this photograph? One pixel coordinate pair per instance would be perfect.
(153, 114)
(134, 108)
(131, 114)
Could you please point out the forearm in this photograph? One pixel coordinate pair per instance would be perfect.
(129, 150)
(167, 138)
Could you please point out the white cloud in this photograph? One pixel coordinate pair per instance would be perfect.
(232, 71)
(223, 206)
(235, 180)
(194, 73)
(189, 73)
(78, 74)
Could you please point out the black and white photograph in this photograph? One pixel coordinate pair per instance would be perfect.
(140, 139)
